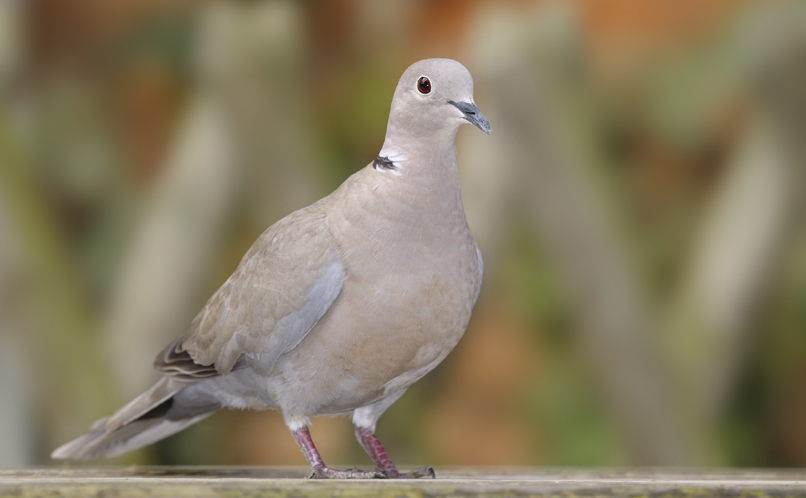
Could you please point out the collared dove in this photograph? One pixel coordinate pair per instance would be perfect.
(338, 307)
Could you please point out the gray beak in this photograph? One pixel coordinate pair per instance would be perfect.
(473, 115)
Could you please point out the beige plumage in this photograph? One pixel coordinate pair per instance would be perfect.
(338, 307)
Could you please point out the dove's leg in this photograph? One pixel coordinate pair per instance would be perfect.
(383, 463)
(318, 468)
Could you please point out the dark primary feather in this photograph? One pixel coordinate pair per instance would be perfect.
(175, 361)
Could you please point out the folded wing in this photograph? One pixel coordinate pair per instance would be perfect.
(283, 286)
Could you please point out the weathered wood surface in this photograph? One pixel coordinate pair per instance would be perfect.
(452, 482)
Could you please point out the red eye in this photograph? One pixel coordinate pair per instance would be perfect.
(424, 85)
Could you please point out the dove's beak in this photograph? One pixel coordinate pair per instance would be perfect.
(473, 115)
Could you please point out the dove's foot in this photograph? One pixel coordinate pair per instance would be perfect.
(318, 468)
(323, 472)
(383, 463)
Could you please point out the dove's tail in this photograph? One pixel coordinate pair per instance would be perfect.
(163, 410)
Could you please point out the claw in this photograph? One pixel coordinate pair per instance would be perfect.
(418, 473)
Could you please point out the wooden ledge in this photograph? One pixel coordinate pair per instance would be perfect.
(455, 482)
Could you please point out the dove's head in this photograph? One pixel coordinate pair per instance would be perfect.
(435, 97)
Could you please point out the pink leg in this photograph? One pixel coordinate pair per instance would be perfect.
(318, 468)
(383, 463)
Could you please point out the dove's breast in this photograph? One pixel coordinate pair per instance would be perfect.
(399, 313)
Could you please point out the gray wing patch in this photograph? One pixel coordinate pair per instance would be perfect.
(291, 329)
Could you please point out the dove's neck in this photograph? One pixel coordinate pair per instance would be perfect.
(420, 157)
(421, 173)
(410, 152)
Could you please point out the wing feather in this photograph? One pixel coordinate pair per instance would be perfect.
(283, 286)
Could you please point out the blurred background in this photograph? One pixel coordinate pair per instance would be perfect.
(639, 206)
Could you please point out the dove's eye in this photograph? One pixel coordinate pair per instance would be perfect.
(424, 85)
